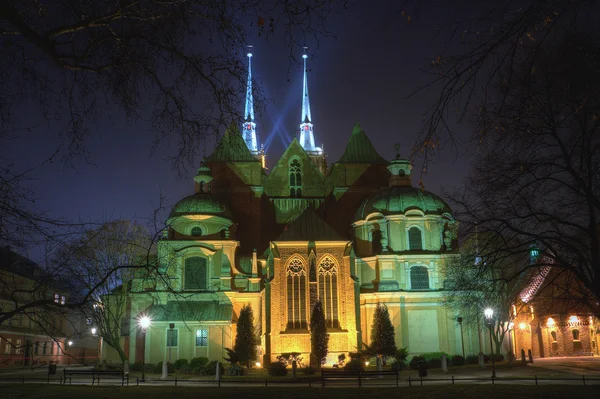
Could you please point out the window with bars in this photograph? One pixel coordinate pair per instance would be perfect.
(295, 178)
(196, 231)
(296, 294)
(195, 277)
(202, 337)
(419, 278)
(172, 338)
(328, 292)
(415, 241)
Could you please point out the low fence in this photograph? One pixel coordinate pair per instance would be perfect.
(372, 379)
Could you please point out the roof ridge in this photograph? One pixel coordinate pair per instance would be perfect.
(360, 149)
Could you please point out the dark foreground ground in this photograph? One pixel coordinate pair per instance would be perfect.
(34, 391)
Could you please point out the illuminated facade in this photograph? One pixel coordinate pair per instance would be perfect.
(353, 234)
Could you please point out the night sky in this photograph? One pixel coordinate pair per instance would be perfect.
(363, 75)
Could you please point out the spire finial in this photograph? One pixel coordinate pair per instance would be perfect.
(397, 146)
(249, 127)
(307, 139)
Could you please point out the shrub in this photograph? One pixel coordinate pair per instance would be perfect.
(414, 362)
(179, 363)
(398, 366)
(277, 369)
(458, 360)
(198, 362)
(499, 357)
(354, 366)
(308, 370)
(434, 363)
(150, 367)
(235, 369)
(211, 368)
(401, 356)
(136, 366)
(159, 365)
(472, 359)
(185, 369)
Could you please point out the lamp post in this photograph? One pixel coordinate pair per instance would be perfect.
(462, 340)
(489, 314)
(165, 367)
(94, 332)
(70, 343)
(144, 324)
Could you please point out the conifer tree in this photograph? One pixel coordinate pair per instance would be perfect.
(245, 340)
(319, 339)
(382, 333)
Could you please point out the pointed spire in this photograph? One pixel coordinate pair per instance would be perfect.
(307, 139)
(249, 127)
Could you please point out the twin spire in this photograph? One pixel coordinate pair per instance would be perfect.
(249, 127)
(307, 139)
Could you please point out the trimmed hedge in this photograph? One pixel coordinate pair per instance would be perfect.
(277, 369)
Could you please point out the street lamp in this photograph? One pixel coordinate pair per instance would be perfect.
(94, 330)
(70, 343)
(489, 314)
(144, 323)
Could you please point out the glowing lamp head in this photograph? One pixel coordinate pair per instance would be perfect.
(94, 330)
(367, 363)
(511, 325)
(249, 55)
(522, 326)
(257, 364)
(145, 322)
(489, 313)
(550, 322)
(70, 343)
(304, 56)
(573, 319)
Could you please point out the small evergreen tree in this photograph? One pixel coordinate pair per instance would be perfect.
(319, 339)
(382, 333)
(245, 340)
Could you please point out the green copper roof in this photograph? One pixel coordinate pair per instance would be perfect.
(191, 311)
(199, 204)
(309, 227)
(231, 147)
(399, 199)
(360, 149)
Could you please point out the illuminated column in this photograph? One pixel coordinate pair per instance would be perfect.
(249, 127)
(307, 140)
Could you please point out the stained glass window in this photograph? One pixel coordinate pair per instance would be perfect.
(296, 294)
(328, 292)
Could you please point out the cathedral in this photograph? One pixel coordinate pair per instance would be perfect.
(353, 233)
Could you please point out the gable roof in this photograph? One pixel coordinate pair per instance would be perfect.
(360, 149)
(231, 147)
(310, 227)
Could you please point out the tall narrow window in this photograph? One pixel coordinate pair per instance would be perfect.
(575, 335)
(296, 294)
(415, 241)
(172, 338)
(195, 273)
(295, 178)
(18, 348)
(202, 337)
(328, 292)
(419, 278)
(553, 334)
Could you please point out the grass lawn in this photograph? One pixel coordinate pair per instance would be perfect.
(451, 391)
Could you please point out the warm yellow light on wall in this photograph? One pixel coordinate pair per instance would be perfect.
(257, 364)
(522, 326)
(573, 319)
(550, 322)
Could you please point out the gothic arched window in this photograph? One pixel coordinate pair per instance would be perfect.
(419, 278)
(296, 294)
(415, 241)
(295, 178)
(196, 231)
(575, 335)
(328, 290)
(195, 273)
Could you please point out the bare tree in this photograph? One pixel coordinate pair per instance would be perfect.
(103, 262)
(536, 183)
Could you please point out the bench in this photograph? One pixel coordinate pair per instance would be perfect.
(329, 375)
(96, 375)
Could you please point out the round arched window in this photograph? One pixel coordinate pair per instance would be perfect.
(196, 231)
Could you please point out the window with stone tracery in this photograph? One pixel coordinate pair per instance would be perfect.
(295, 178)
(296, 294)
(328, 290)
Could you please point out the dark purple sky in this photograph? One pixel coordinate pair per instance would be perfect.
(363, 75)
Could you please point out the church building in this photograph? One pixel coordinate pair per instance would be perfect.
(353, 233)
